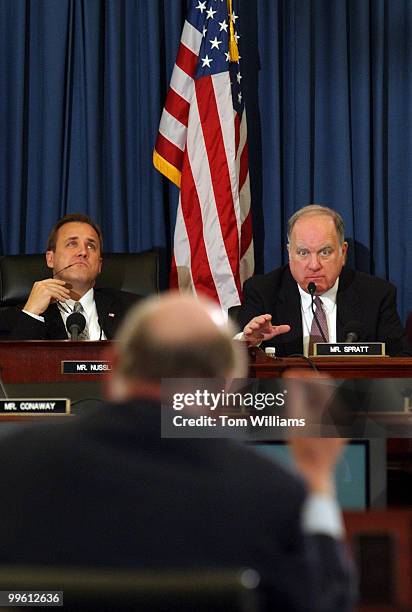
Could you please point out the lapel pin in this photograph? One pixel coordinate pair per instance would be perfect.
(111, 314)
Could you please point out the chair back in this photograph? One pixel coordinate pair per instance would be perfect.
(408, 327)
(134, 272)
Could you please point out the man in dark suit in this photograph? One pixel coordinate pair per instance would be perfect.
(74, 254)
(277, 306)
(106, 489)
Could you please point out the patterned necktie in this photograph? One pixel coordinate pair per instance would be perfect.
(85, 333)
(315, 335)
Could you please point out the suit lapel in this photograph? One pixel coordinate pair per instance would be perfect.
(105, 312)
(288, 311)
(347, 303)
(54, 323)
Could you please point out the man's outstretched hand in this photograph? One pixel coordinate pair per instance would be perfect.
(260, 329)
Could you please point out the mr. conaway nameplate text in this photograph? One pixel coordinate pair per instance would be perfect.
(35, 406)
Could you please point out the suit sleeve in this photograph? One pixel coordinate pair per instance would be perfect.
(310, 573)
(253, 304)
(21, 326)
(333, 575)
(323, 569)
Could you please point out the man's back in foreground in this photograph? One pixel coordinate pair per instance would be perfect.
(106, 490)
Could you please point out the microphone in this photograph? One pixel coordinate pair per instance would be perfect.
(312, 291)
(312, 288)
(3, 388)
(75, 324)
(352, 331)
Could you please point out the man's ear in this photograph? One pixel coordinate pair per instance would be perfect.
(114, 388)
(111, 384)
(50, 259)
(344, 251)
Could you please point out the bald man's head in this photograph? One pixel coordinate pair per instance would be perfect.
(178, 336)
(179, 319)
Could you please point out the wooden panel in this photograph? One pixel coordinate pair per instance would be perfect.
(381, 544)
(337, 367)
(39, 361)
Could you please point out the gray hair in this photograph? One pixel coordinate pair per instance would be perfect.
(317, 209)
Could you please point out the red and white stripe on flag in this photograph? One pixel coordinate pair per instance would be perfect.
(202, 147)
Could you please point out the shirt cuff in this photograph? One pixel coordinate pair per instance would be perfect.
(34, 316)
(322, 515)
(239, 336)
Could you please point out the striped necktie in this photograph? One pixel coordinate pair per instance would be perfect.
(315, 335)
(85, 333)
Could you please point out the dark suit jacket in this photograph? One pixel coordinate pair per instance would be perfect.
(106, 489)
(111, 306)
(361, 297)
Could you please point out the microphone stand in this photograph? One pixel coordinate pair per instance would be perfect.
(312, 291)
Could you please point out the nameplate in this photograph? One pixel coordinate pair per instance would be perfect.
(86, 367)
(35, 406)
(349, 349)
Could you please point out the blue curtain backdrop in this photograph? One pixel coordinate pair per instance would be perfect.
(328, 85)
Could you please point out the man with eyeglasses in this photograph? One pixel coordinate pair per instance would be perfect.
(277, 307)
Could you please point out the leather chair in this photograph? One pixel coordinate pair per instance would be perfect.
(233, 313)
(134, 272)
(408, 328)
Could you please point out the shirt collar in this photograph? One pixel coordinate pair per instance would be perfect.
(86, 301)
(328, 298)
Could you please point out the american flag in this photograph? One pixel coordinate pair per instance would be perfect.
(202, 147)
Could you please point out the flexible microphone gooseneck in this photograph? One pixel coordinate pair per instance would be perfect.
(312, 291)
(3, 388)
(352, 331)
(75, 324)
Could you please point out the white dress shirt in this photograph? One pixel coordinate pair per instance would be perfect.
(328, 300)
(321, 514)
